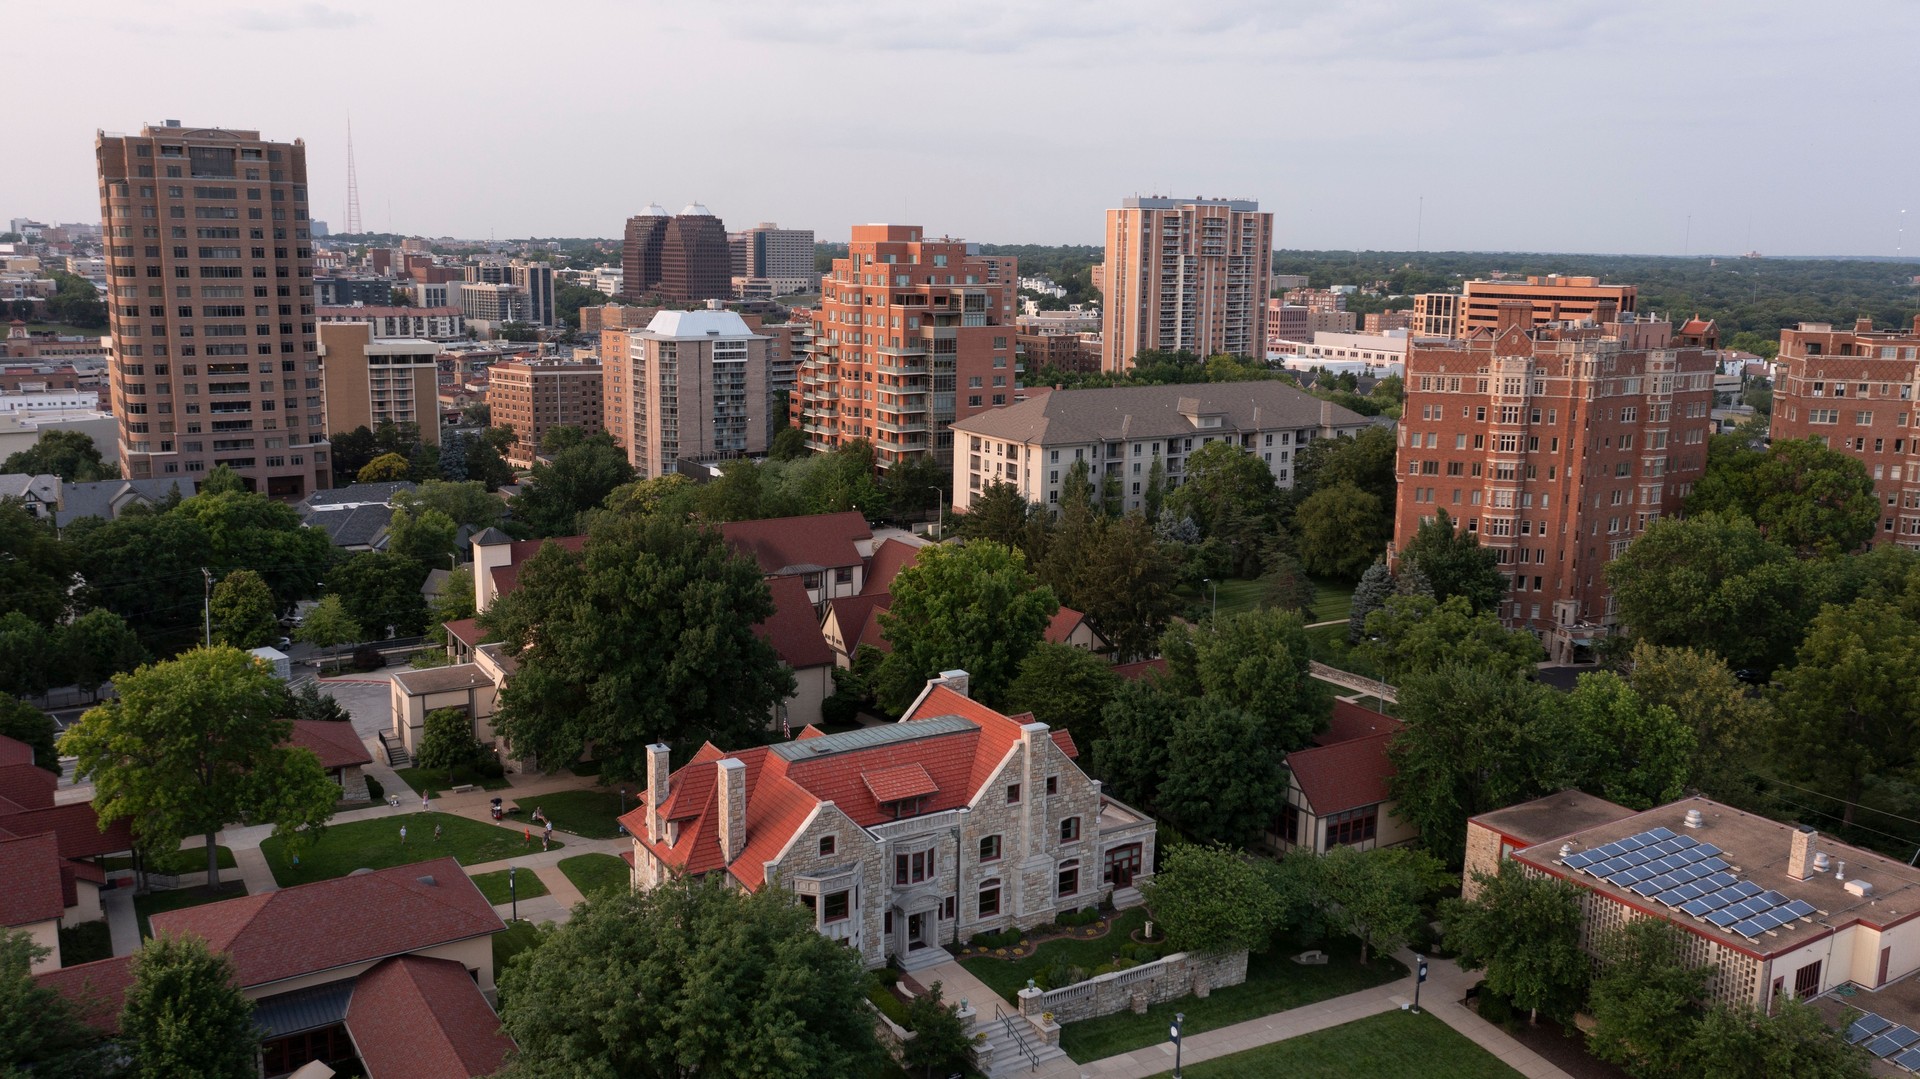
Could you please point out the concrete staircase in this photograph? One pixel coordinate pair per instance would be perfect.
(931, 956)
(1017, 1049)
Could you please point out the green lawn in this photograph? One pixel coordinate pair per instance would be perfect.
(1332, 598)
(518, 937)
(1274, 983)
(590, 813)
(1008, 976)
(1392, 1045)
(85, 943)
(1331, 648)
(595, 873)
(433, 781)
(185, 860)
(494, 885)
(375, 844)
(65, 330)
(177, 898)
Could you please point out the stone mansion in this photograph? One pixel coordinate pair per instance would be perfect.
(902, 837)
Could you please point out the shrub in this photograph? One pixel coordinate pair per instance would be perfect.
(375, 791)
(881, 993)
(837, 710)
(367, 658)
(1086, 916)
(1059, 974)
(488, 765)
(1006, 938)
(1495, 1008)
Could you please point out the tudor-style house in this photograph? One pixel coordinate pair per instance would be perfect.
(902, 837)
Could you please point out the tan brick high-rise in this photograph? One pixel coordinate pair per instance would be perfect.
(1555, 446)
(210, 299)
(1853, 389)
(911, 335)
(532, 397)
(691, 385)
(1186, 274)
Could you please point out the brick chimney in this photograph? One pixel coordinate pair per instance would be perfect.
(1916, 325)
(1863, 324)
(731, 790)
(1513, 315)
(1800, 854)
(657, 788)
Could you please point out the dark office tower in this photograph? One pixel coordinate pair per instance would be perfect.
(695, 261)
(640, 254)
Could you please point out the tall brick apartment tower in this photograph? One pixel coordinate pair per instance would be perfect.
(1556, 446)
(695, 261)
(211, 307)
(1189, 274)
(1854, 391)
(640, 252)
(911, 335)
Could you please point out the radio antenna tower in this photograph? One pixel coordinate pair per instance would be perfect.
(353, 185)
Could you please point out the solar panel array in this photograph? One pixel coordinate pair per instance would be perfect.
(1681, 872)
(1882, 1038)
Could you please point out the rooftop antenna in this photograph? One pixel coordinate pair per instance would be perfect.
(353, 184)
(1419, 224)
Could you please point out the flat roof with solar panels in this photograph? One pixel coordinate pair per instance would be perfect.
(1737, 878)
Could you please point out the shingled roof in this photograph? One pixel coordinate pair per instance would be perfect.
(1349, 768)
(97, 990)
(336, 744)
(334, 923)
(424, 1018)
(789, 545)
(30, 880)
(794, 629)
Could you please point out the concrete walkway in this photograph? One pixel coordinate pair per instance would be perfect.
(1446, 985)
(123, 925)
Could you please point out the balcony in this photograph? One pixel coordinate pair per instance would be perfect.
(918, 427)
(896, 368)
(917, 348)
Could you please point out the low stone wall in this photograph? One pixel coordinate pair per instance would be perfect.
(1136, 988)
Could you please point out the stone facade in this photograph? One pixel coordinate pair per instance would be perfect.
(1136, 988)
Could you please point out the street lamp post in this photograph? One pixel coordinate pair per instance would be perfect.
(514, 891)
(1179, 1020)
(1419, 977)
(1215, 586)
(939, 512)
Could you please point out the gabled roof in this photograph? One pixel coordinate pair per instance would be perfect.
(97, 990)
(76, 828)
(107, 498)
(30, 880)
(1343, 776)
(792, 545)
(507, 578)
(466, 630)
(335, 744)
(1351, 721)
(854, 614)
(892, 556)
(944, 751)
(357, 526)
(1065, 621)
(416, 1017)
(332, 923)
(794, 629)
(25, 786)
(14, 751)
(1145, 668)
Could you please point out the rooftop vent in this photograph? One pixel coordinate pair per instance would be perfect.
(428, 881)
(1694, 819)
(1860, 888)
(1822, 863)
(1565, 849)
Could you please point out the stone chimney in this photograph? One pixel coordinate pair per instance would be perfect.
(955, 680)
(730, 789)
(657, 788)
(1800, 854)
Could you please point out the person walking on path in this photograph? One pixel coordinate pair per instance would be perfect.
(425, 801)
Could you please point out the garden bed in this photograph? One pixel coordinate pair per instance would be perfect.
(1006, 969)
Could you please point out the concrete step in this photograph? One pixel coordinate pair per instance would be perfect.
(930, 956)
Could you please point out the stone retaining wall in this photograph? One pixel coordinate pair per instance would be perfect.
(1136, 988)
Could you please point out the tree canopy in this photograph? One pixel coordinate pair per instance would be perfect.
(70, 455)
(1801, 494)
(1212, 898)
(185, 1013)
(580, 478)
(1524, 931)
(1454, 563)
(975, 608)
(243, 610)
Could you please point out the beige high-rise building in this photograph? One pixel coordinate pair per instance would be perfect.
(370, 381)
(531, 397)
(1186, 274)
(210, 300)
(692, 385)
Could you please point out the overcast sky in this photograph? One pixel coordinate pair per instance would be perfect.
(1544, 125)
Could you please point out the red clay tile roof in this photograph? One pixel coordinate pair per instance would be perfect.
(794, 629)
(1145, 668)
(1065, 621)
(422, 1018)
(30, 880)
(888, 560)
(1345, 776)
(809, 731)
(1351, 721)
(507, 578)
(77, 828)
(335, 744)
(97, 990)
(332, 923)
(947, 767)
(465, 630)
(14, 751)
(27, 786)
(899, 782)
(1065, 742)
(784, 546)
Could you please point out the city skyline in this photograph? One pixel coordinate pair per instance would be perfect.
(1637, 128)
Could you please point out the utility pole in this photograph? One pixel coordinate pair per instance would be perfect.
(939, 512)
(207, 605)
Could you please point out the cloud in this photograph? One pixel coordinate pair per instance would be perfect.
(294, 18)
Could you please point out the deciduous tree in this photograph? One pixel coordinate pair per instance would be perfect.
(1413, 633)
(37, 577)
(1729, 724)
(39, 1034)
(381, 591)
(1848, 703)
(70, 455)
(1220, 478)
(467, 502)
(940, 1044)
(191, 745)
(579, 479)
(23, 722)
(329, 625)
(1800, 493)
(975, 608)
(1342, 530)
(185, 1013)
(1211, 898)
(689, 978)
(96, 646)
(385, 468)
(1064, 687)
(243, 610)
(447, 741)
(1455, 564)
(1524, 931)
(1739, 1043)
(425, 536)
(1645, 998)
(1223, 773)
(1378, 895)
(1621, 748)
(1132, 756)
(1255, 661)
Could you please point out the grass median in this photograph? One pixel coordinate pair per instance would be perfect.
(376, 844)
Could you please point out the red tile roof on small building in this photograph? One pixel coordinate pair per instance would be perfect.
(334, 923)
(1144, 668)
(1351, 721)
(335, 744)
(1065, 621)
(963, 743)
(1344, 776)
(466, 630)
(416, 1017)
(784, 546)
(30, 880)
(97, 990)
(507, 578)
(794, 629)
